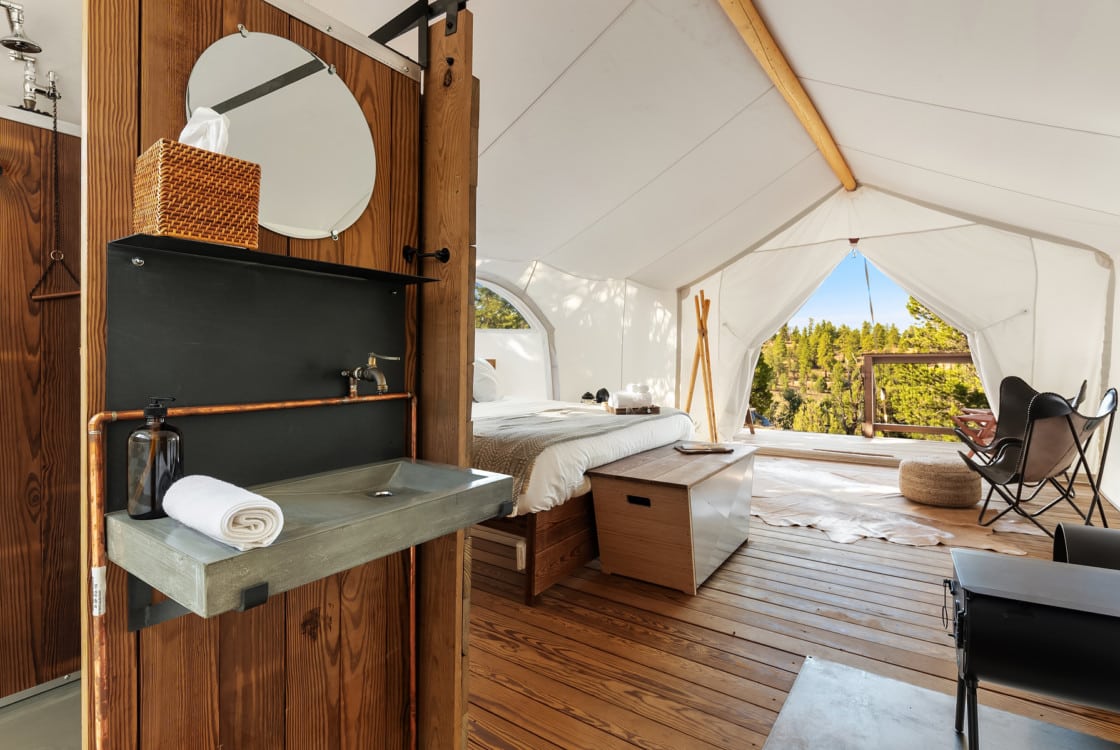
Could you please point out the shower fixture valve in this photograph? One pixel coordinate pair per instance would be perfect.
(31, 87)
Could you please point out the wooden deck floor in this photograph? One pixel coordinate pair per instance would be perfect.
(608, 662)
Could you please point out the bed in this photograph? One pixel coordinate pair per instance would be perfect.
(553, 511)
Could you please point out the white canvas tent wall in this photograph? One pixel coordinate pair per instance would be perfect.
(659, 152)
(631, 148)
(1016, 297)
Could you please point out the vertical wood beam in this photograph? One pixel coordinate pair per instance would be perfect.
(446, 328)
(753, 29)
(110, 142)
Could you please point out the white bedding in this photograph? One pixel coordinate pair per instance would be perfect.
(558, 472)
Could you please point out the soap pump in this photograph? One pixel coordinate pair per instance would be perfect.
(155, 460)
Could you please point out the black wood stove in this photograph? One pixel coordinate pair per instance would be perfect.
(1036, 625)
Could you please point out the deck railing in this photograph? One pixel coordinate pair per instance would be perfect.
(870, 426)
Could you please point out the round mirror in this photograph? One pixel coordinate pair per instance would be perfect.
(289, 112)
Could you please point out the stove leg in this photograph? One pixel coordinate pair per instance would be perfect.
(959, 726)
(973, 719)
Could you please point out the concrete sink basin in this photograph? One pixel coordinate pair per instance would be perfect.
(332, 522)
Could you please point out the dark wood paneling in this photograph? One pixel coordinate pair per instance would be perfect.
(312, 635)
(179, 684)
(61, 415)
(251, 673)
(172, 36)
(21, 490)
(346, 639)
(374, 656)
(366, 242)
(404, 173)
(39, 504)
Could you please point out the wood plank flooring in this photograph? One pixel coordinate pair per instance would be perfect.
(609, 662)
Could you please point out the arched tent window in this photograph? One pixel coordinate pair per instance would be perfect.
(510, 331)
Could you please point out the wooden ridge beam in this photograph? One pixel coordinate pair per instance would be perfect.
(754, 32)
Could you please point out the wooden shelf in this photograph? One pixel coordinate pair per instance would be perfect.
(332, 522)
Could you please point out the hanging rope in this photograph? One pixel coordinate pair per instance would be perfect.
(854, 243)
(867, 279)
(57, 256)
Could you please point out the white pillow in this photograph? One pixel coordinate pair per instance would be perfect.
(485, 381)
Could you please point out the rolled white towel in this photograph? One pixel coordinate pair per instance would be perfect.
(624, 400)
(224, 512)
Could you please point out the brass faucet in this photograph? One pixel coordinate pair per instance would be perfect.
(370, 372)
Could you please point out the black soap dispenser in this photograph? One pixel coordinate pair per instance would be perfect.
(155, 460)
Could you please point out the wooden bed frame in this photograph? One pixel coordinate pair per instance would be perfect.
(558, 541)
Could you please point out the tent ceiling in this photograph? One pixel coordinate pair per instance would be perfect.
(639, 138)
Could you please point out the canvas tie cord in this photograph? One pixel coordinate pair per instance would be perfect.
(58, 258)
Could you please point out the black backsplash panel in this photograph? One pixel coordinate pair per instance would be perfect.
(214, 325)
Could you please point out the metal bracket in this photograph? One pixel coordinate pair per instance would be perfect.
(254, 596)
(416, 16)
(142, 613)
(410, 253)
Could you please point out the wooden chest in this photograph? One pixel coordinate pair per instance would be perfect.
(671, 518)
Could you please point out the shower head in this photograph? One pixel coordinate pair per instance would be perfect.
(17, 41)
(20, 43)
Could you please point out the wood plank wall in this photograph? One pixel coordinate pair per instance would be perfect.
(39, 412)
(323, 666)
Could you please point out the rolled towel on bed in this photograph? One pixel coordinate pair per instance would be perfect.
(625, 400)
(224, 512)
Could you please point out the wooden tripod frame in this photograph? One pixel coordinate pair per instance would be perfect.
(703, 355)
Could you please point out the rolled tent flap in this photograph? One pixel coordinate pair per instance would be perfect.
(758, 294)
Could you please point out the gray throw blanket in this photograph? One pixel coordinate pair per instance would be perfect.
(510, 445)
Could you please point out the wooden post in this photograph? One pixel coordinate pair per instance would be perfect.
(446, 353)
(868, 396)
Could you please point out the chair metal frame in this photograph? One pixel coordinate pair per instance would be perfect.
(1014, 399)
(1055, 435)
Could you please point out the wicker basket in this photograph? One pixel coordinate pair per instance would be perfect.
(188, 192)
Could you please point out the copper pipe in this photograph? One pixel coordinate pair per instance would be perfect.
(413, 730)
(99, 555)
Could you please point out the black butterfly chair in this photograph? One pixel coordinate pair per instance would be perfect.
(1055, 438)
(1014, 397)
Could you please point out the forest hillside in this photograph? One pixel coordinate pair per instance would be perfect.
(809, 379)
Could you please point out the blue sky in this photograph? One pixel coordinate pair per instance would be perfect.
(842, 298)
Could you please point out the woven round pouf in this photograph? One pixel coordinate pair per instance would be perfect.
(943, 481)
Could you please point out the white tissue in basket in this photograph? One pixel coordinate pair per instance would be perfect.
(206, 129)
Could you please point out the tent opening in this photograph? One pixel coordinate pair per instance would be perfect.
(860, 327)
